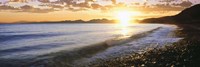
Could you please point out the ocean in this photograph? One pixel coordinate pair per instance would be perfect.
(34, 42)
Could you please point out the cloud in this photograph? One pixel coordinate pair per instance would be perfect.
(44, 1)
(84, 4)
(25, 8)
(96, 6)
(53, 6)
(114, 1)
(184, 4)
(167, 0)
(18, 0)
(28, 8)
(74, 9)
(79, 5)
(68, 2)
(6, 7)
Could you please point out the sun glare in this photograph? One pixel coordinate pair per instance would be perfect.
(124, 17)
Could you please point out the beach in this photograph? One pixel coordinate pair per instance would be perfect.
(60, 47)
(184, 53)
(99, 33)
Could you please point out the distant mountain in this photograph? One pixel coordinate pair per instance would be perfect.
(189, 15)
(90, 21)
(73, 21)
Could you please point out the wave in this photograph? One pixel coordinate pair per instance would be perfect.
(64, 58)
(118, 41)
(24, 36)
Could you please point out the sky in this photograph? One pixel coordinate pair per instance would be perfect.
(12, 11)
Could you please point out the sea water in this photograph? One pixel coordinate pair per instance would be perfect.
(23, 41)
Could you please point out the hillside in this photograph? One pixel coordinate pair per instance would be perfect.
(189, 15)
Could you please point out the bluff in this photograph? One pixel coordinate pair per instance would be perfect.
(189, 15)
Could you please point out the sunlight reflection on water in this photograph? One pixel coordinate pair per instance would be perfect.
(125, 32)
(24, 40)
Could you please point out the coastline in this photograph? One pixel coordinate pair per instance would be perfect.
(183, 53)
(177, 54)
(67, 58)
(82, 60)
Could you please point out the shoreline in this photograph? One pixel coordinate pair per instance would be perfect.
(65, 58)
(61, 60)
(183, 53)
(165, 56)
(87, 51)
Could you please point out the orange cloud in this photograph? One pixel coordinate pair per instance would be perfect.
(76, 5)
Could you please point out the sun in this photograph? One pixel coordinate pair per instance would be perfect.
(124, 17)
